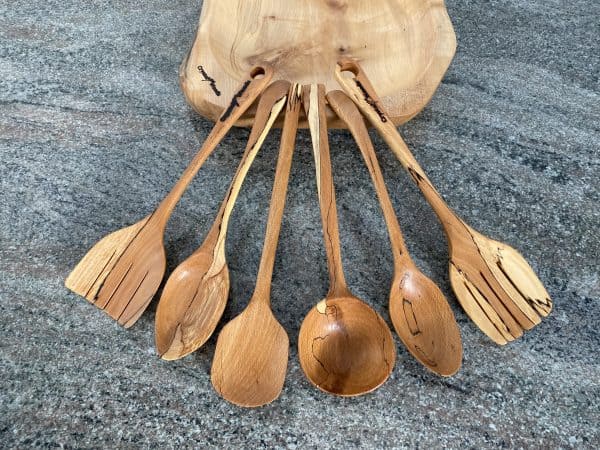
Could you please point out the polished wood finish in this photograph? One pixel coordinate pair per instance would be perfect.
(196, 293)
(123, 271)
(345, 347)
(252, 350)
(406, 46)
(492, 281)
(419, 311)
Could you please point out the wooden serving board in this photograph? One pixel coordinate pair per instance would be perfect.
(405, 46)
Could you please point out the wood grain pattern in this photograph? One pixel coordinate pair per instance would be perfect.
(196, 293)
(406, 46)
(252, 350)
(345, 347)
(122, 272)
(419, 311)
(492, 281)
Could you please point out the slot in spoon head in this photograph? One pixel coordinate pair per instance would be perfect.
(252, 350)
(345, 347)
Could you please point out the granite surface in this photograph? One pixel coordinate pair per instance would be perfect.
(93, 132)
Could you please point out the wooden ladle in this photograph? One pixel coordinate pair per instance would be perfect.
(123, 271)
(492, 281)
(252, 350)
(345, 347)
(195, 294)
(419, 311)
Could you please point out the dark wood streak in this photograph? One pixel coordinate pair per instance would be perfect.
(409, 311)
(417, 177)
(117, 286)
(500, 299)
(371, 102)
(211, 81)
(134, 294)
(507, 331)
(99, 275)
(536, 304)
(426, 357)
(312, 349)
(121, 255)
(234, 101)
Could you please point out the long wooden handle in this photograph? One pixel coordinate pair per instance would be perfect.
(280, 185)
(247, 92)
(351, 116)
(358, 87)
(270, 105)
(313, 98)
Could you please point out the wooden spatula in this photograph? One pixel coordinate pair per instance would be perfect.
(123, 271)
(492, 281)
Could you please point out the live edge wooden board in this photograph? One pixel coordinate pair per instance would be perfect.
(405, 46)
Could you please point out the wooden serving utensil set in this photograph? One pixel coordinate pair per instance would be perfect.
(344, 346)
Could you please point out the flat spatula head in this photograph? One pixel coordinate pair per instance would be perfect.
(251, 358)
(122, 272)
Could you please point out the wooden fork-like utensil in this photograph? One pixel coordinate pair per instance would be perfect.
(123, 271)
(492, 281)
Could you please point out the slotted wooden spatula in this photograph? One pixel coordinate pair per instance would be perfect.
(123, 271)
(492, 281)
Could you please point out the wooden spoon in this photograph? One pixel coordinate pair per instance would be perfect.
(252, 350)
(123, 271)
(492, 281)
(345, 347)
(195, 294)
(420, 313)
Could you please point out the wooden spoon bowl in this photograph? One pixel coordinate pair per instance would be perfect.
(425, 323)
(405, 45)
(251, 357)
(199, 298)
(345, 347)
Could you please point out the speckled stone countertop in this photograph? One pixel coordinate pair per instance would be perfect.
(93, 132)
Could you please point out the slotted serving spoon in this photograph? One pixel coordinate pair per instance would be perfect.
(122, 272)
(345, 347)
(252, 350)
(196, 293)
(419, 311)
(492, 281)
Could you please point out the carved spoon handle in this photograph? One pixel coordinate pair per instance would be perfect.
(262, 290)
(314, 107)
(246, 93)
(359, 89)
(347, 111)
(270, 105)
